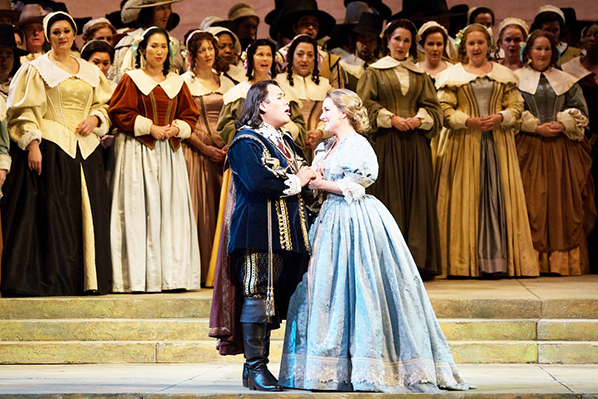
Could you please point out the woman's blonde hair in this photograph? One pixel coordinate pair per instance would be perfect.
(462, 52)
(351, 105)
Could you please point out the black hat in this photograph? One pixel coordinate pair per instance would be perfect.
(292, 10)
(7, 40)
(369, 24)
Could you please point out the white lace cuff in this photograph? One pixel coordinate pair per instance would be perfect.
(103, 127)
(28, 137)
(574, 122)
(425, 118)
(294, 186)
(351, 191)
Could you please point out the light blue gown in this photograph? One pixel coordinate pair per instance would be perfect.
(361, 318)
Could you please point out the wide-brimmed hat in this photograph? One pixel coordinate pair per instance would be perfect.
(6, 10)
(292, 10)
(7, 40)
(31, 13)
(132, 8)
(369, 24)
(242, 10)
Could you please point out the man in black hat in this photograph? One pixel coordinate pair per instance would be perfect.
(296, 17)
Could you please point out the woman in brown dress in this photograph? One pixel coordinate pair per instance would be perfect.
(205, 150)
(405, 114)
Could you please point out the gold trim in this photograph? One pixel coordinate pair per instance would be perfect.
(284, 231)
(303, 223)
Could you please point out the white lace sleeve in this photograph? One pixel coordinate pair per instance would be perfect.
(294, 186)
(351, 191)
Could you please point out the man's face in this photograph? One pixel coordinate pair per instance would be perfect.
(34, 37)
(307, 25)
(275, 109)
(365, 47)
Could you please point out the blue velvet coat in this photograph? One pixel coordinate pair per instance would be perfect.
(259, 172)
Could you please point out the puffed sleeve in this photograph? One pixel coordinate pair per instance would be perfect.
(512, 104)
(367, 89)
(258, 174)
(4, 140)
(99, 105)
(226, 121)
(453, 117)
(360, 167)
(27, 104)
(574, 115)
(429, 106)
(186, 114)
(124, 109)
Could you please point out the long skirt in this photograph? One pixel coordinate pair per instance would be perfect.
(56, 225)
(152, 225)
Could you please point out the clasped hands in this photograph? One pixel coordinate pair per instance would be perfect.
(163, 132)
(310, 176)
(484, 124)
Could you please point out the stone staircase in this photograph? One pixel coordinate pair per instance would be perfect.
(506, 321)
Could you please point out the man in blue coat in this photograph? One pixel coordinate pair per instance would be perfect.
(269, 243)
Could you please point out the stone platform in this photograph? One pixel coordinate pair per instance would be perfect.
(547, 320)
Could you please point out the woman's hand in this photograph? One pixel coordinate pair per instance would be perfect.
(171, 131)
(484, 124)
(313, 137)
(35, 157)
(413, 123)
(158, 132)
(317, 181)
(85, 128)
(305, 175)
(550, 129)
(2, 177)
(400, 123)
(106, 140)
(215, 154)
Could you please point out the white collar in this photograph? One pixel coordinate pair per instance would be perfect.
(304, 86)
(270, 133)
(388, 62)
(197, 89)
(171, 85)
(575, 68)
(53, 75)
(456, 75)
(237, 92)
(529, 79)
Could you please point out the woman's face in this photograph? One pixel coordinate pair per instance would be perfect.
(7, 60)
(62, 36)
(484, 19)
(104, 34)
(540, 53)
(262, 60)
(476, 48)
(552, 27)
(332, 116)
(161, 14)
(102, 61)
(303, 59)
(206, 55)
(400, 43)
(226, 48)
(433, 47)
(511, 41)
(156, 51)
(247, 27)
(590, 39)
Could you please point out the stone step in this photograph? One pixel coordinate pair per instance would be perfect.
(197, 305)
(98, 352)
(197, 330)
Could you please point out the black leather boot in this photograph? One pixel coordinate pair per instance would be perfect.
(245, 375)
(259, 377)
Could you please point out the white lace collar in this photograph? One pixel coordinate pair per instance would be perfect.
(197, 89)
(270, 133)
(171, 85)
(575, 68)
(53, 75)
(388, 62)
(456, 76)
(529, 79)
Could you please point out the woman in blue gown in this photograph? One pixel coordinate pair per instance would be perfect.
(361, 319)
